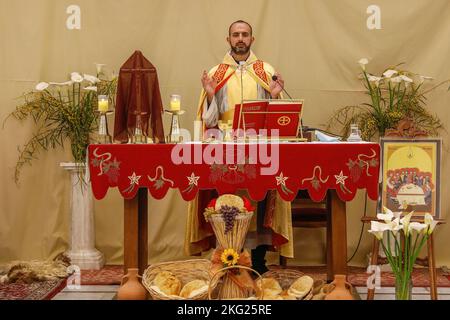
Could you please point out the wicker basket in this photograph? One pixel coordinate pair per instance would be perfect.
(227, 289)
(286, 278)
(186, 271)
(235, 238)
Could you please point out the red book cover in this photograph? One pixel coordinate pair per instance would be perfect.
(284, 116)
(252, 120)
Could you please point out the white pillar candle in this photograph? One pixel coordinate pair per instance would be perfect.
(197, 130)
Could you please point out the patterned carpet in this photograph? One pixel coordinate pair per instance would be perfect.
(357, 276)
(112, 275)
(44, 290)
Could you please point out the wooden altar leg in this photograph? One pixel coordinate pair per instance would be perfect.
(432, 268)
(135, 232)
(338, 264)
(330, 276)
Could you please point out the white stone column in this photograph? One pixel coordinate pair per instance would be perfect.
(82, 251)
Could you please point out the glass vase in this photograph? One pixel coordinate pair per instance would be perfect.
(403, 289)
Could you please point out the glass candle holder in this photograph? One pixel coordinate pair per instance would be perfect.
(175, 102)
(103, 103)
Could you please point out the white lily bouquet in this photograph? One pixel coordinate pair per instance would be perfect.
(393, 95)
(407, 238)
(62, 111)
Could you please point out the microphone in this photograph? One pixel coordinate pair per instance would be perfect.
(275, 78)
(241, 67)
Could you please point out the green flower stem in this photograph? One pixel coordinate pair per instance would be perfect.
(388, 254)
(398, 252)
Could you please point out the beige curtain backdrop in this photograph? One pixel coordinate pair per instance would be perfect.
(314, 44)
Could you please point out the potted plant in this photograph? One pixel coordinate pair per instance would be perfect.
(68, 112)
(62, 112)
(395, 95)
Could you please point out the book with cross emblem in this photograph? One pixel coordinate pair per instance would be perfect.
(281, 115)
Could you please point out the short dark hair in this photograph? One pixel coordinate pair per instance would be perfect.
(240, 21)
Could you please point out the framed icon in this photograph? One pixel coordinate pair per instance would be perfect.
(411, 175)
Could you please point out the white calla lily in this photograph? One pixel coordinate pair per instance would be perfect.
(405, 222)
(389, 73)
(396, 79)
(416, 226)
(386, 217)
(395, 226)
(91, 88)
(41, 86)
(76, 77)
(378, 228)
(91, 79)
(430, 222)
(376, 80)
(99, 67)
(423, 78)
(406, 79)
(362, 62)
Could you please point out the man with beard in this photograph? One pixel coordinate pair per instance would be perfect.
(221, 92)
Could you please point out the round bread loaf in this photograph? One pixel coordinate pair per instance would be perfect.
(168, 283)
(301, 287)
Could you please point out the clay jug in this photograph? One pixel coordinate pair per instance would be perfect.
(341, 289)
(130, 287)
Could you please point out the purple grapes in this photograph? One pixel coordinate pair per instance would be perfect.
(229, 214)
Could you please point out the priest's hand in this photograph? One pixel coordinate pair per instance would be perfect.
(276, 86)
(209, 85)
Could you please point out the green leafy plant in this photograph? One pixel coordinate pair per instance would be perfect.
(62, 111)
(395, 95)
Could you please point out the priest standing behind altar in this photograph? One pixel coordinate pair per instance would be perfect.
(222, 86)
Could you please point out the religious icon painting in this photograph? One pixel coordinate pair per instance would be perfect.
(411, 175)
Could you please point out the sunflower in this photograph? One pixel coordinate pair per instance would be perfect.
(229, 257)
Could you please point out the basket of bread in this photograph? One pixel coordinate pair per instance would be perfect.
(286, 284)
(179, 280)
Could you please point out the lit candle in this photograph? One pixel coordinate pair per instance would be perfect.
(103, 103)
(175, 102)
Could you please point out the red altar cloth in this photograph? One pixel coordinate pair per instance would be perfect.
(316, 167)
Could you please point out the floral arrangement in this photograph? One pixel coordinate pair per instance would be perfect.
(408, 239)
(228, 206)
(395, 95)
(62, 111)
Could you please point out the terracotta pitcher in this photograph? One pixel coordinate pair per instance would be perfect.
(341, 289)
(131, 287)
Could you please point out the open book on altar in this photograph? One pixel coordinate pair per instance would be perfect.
(282, 115)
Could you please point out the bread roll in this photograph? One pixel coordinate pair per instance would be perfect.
(193, 288)
(168, 283)
(229, 200)
(270, 286)
(301, 287)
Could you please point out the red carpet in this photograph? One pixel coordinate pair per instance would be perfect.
(44, 290)
(357, 276)
(107, 276)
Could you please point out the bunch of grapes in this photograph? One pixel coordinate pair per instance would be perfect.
(228, 214)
